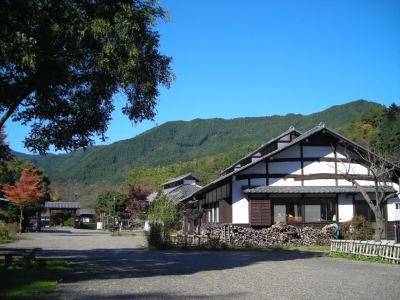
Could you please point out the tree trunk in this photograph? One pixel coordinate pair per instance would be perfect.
(21, 216)
(380, 226)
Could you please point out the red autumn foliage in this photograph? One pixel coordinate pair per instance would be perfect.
(27, 189)
(137, 201)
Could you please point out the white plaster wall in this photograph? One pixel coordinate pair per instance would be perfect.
(189, 181)
(393, 214)
(320, 182)
(344, 182)
(240, 205)
(293, 151)
(351, 168)
(366, 182)
(256, 169)
(293, 167)
(345, 204)
(282, 144)
(284, 182)
(258, 181)
(318, 151)
(315, 167)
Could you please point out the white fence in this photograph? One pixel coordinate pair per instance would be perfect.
(387, 251)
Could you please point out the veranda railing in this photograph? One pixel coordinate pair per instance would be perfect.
(383, 250)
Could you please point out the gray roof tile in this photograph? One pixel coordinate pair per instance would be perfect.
(62, 205)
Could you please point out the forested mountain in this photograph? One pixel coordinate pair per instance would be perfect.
(180, 141)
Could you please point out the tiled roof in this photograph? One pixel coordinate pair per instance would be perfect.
(62, 205)
(177, 193)
(181, 177)
(312, 189)
(183, 191)
(86, 211)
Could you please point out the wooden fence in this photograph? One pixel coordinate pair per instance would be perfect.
(387, 251)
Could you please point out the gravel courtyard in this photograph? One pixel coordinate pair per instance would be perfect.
(120, 268)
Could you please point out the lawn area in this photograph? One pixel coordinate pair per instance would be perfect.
(17, 281)
(358, 257)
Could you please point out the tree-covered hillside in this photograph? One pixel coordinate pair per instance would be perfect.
(181, 141)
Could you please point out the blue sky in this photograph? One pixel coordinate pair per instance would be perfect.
(261, 57)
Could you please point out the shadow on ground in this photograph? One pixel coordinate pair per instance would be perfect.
(137, 262)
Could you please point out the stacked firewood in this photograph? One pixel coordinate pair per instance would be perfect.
(276, 235)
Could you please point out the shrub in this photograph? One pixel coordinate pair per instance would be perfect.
(8, 230)
(357, 229)
(155, 236)
(70, 222)
(163, 217)
(91, 226)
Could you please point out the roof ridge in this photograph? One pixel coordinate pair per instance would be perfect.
(289, 130)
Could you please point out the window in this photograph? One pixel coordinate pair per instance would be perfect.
(304, 210)
(397, 205)
(212, 212)
(319, 210)
(362, 209)
(287, 212)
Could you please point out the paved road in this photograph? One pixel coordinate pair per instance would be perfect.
(120, 268)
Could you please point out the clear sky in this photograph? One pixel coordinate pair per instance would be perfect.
(262, 57)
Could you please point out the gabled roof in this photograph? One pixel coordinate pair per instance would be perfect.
(62, 205)
(275, 139)
(179, 178)
(86, 211)
(321, 127)
(177, 193)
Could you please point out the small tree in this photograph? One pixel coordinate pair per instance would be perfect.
(137, 204)
(112, 203)
(26, 191)
(382, 172)
(163, 217)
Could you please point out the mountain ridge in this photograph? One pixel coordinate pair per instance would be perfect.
(179, 141)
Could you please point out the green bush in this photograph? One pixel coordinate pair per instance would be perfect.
(8, 230)
(91, 226)
(155, 236)
(163, 217)
(357, 229)
(70, 222)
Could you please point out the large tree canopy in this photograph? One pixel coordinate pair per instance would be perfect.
(61, 61)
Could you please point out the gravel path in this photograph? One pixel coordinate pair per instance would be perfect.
(120, 268)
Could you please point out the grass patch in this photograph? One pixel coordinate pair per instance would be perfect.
(357, 257)
(17, 281)
(10, 239)
(307, 248)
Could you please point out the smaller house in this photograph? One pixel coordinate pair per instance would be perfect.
(178, 188)
(86, 214)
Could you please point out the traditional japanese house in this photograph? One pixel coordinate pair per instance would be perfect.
(296, 178)
(178, 188)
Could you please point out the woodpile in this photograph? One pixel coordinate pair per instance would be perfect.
(276, 235)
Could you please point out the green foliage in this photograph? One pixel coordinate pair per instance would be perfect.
(8, 230)
(163, 218)
(357, 257)
(113, 203)
(60, 217)
(179, 141)
(62, 61)
(32, 283)
(357, 229)
(378, 128)
(91, 226)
